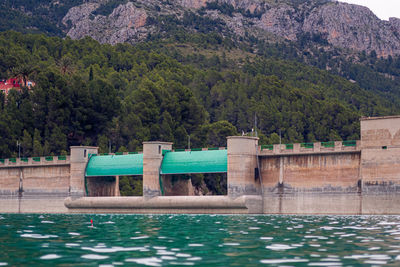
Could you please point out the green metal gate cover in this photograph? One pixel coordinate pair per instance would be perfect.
(113, 165)
(208, 161)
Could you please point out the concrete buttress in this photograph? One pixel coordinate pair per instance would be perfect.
(152, 159)
(79, 159)
(242, 164)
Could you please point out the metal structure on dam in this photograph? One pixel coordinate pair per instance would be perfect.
(356, 177)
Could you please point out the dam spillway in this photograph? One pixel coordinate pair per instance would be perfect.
(357, 177)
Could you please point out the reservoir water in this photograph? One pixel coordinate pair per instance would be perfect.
(200, 240)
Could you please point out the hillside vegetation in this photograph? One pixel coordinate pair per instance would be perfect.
(93, 94)
(293, 30)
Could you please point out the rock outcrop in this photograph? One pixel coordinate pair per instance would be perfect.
(340, 24)
(354, 27)
(194, 4)
(124, 24)
(280, 21)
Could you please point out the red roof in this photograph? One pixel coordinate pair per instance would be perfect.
(6, 85)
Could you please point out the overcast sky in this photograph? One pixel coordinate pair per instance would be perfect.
(382, 8)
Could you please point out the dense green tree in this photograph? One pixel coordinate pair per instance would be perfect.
(37, 149)
(103, 143)
(58, 140)
(26, 144)
(92, 94)
(274, 138)
(218, 131)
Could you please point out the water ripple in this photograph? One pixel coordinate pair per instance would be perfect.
(218, 240)
(153, 261)
(278, 261)
(114, 249)
(50, 257)
(38, 236)
(94, 257)
(279, 247)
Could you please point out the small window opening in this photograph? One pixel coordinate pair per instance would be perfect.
(384, 147)
(159, 149)
(84, 153)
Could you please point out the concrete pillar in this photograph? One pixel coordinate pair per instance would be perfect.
(277, 148)
(380, 154)
(242, 163)
(116, 188)
(152, 159)
(338, 145)
(79, 158)
(281, 169)
(296, 147)
(317, 147)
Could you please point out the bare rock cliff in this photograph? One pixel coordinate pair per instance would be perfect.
(354, 27)
(124, 24)
(193, 4)
(280, 21)
(340, 24)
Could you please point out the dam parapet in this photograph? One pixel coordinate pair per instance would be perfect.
(34, 161)
(310, 148)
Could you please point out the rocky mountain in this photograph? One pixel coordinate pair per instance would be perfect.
(339, 24)
(125, 23)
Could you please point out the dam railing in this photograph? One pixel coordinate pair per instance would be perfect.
(35, 161)
(311, 148)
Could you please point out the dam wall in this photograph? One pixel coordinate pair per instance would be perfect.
(311, 172)
(341, 177)
(59, 176)
(30, 177)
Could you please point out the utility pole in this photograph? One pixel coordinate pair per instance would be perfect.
(109, 146)
(255, 124)
(19, 148)
(188, 141)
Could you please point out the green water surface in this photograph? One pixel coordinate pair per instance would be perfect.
(202, 240)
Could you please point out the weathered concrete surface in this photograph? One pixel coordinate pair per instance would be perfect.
(9, 181)
(176, 204)
(381, 169)
(52, 180)
(348, 204)
(117, 193)
(177, 186)
(311, 203)
(303, 203)
(380, 156)
(242, 164)
(152, 158)
(41, 179)
(37, 204)
(352, 204)
(334, 172)
(380, 131)
(102, 186)
(381, 203)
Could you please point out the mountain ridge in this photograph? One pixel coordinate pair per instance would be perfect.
(339, 24)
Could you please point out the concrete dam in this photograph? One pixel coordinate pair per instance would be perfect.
(341, 177)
